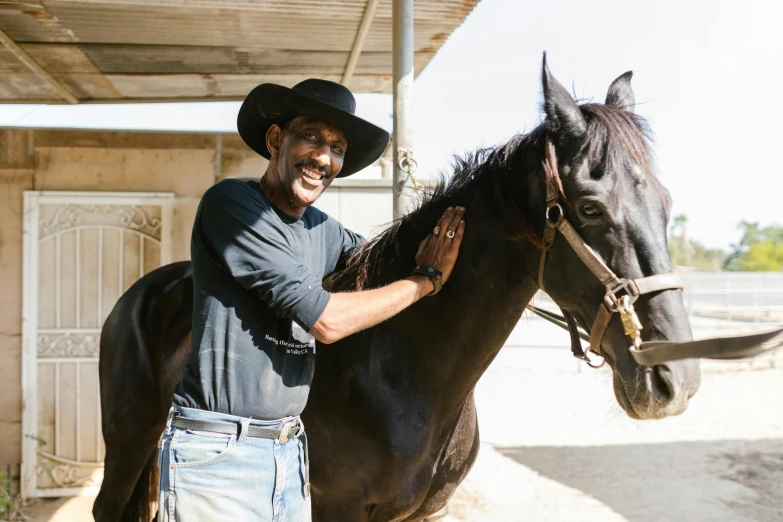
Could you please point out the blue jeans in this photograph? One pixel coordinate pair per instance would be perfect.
(214, 477)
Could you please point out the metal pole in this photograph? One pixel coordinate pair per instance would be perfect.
(402, 12)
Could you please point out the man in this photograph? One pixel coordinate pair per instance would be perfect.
(234, 447)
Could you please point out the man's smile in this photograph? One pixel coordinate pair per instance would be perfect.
(311, 174)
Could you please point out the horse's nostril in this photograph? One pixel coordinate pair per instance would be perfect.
(661, 383)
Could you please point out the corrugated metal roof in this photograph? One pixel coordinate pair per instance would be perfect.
(130, 50)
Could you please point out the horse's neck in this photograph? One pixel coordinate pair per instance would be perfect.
(460, 332)
(437, 350)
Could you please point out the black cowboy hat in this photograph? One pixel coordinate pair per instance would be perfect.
(331, 102)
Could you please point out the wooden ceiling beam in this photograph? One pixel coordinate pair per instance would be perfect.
(358, 44)
(35, 67)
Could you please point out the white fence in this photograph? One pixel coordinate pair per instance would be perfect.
(735, 301)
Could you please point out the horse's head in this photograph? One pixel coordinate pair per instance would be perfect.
(600, 155)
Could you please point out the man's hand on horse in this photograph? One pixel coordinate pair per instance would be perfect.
(441, 246)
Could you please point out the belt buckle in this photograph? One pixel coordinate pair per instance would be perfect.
(287, 432)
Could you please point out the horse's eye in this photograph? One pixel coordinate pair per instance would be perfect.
(590, 210)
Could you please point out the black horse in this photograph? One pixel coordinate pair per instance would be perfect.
(391, 418)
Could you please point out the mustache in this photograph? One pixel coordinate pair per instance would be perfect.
(310, 164)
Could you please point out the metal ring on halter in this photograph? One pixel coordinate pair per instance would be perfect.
(590, 363)
(450, 234)
(556, 205)
(436, 230)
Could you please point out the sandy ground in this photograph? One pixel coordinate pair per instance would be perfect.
(556, 447)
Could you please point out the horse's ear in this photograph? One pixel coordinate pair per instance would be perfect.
(562, 113)
(620, 94)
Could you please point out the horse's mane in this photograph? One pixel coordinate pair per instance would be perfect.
(476, 171)
(483, 171)
(619, 133)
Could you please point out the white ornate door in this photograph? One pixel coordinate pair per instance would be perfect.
(81, 252)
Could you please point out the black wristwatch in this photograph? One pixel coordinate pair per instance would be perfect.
(436, 276)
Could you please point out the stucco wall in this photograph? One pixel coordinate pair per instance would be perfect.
(16, 175)
(183, 163)
(130, 162)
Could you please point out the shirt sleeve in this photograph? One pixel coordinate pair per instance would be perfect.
(241, 232)
(349, 242)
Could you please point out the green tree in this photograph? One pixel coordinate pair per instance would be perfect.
(759, 249)
(765, 256)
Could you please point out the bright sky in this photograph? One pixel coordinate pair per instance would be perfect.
(706, 75)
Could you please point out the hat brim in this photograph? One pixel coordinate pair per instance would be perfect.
(269, 103)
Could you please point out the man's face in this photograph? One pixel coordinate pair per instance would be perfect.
(309, 157)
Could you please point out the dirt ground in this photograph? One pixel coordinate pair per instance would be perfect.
(556, 447)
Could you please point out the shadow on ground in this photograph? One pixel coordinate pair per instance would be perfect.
(725, 480)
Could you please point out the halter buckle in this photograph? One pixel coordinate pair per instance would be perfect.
(613, 301)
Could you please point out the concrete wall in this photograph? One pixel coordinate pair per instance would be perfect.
(183, 163)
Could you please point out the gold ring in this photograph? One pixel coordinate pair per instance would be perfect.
(450, 234)
(436, 230)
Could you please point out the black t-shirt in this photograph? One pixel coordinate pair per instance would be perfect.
(257, 292)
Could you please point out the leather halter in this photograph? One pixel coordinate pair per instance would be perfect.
(620, 293)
